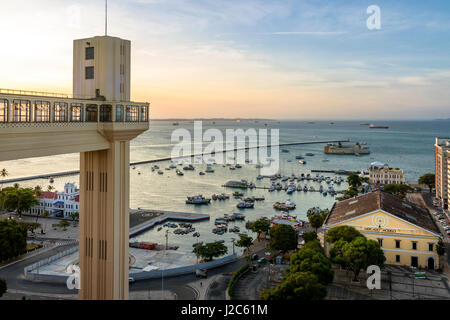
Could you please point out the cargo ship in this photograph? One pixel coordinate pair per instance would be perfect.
(372, 126)
(357, 149)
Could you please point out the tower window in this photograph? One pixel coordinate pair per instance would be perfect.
(89, 53)
(89, 73)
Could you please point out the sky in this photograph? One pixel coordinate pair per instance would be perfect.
(283, 59)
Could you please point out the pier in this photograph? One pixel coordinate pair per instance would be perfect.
(161, 216)
(76, 172)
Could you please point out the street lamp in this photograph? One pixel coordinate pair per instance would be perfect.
(162, 270)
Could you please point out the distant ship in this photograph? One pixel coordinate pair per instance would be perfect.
(364, 124)
(378, 127)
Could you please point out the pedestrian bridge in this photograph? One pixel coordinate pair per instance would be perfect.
(36, 124)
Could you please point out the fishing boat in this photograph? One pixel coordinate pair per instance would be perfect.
(288, 205)
(245, 205)
(197, 200)
(189, 167)
(243, 184)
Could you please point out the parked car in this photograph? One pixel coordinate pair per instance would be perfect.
(131, 280)
(201, 273)
(254, 257)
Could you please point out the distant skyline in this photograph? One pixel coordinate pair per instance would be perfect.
(278, 59)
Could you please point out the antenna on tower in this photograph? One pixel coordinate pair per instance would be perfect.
(106, 17)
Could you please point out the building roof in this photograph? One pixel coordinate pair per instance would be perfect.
(48, 195)
(379, 200)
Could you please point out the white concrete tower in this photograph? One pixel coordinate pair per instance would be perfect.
(101, 67)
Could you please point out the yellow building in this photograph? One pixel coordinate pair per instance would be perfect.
(407, 233)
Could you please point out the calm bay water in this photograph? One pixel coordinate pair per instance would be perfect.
(406, 144)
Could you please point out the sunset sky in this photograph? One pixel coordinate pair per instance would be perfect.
(279, 59)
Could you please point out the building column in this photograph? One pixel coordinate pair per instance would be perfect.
(104, 223)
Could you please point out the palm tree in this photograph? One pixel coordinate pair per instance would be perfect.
(4, 174)
(50, 188)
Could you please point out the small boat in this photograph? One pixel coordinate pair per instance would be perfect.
(288, 205)
(285, 150)
(201, 173)
(52, 180)
(259, 177)
(159, 229)
(134, 167)
(197, 200)
(189, 167)
(245, 205)
(302, 161)
(238, 166)
(309, 154)
(311, 188)
(209, 169)
(299, 157)
(160, 172)
(139, 173)
(305, 189)
(179, 173)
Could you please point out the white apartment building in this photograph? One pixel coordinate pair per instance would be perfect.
(442, 170)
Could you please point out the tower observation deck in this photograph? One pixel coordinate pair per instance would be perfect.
(98, 120)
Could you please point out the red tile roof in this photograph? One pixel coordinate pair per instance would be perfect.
(48, 195)
(387, 202)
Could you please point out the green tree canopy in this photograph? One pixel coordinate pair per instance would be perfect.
(283, 237)
(260, 226)
(345, 233)
(354, 180)
(314, 261)
(210, 250)
(13, 239)
(297, 286)
(309, 236)
(19, 199)
(245, 242)
(3, 287)
(398, 190)
(316, 220)
(428, 179)
(361, 253)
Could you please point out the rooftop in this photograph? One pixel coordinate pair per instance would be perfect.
(379, 200)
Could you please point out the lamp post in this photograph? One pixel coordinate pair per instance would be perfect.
(162, 271)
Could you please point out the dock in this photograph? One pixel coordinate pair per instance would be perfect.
(76, 172)
(160, 216)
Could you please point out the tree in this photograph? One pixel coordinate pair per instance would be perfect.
(64, 224)
(316, 220)
(398, 190)
(210, 250)
(314, 261)
(13, 239)
(245, 242)
(283, 237)
(260, 226)
(50, 188)
(3, 287)
(428, 179)
(350, 193)
(297, 286)
(440, 249)
(3, 174)
(309, 236)
(345, 233)
(361, 253)
(19, 199)
(74, 216)
(354, 181)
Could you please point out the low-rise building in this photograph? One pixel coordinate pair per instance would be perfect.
(60, 204)
(381, 174)
(406, 232)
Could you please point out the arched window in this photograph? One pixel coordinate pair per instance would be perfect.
(3, 110)
(41, 111)
(60, 111)
(21, 110)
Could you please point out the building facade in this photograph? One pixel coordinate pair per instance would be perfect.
(442, 170)
(60, 204)
(406, 233)
(382, 174)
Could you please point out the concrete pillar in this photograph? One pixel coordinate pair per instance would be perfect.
(104, 223)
